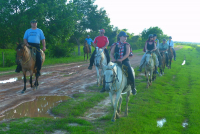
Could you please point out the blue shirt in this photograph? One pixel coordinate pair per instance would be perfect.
(89, 41)
(34, 36)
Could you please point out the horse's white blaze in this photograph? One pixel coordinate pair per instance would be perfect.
(100, 59)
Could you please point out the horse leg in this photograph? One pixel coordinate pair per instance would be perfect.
(111, 99)
(147, 78)
(115, 106)
(84, 56)
(119, 107)
(98, 83)
(36, 81)
(24, 82)
(127, 100)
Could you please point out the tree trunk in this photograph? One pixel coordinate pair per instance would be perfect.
(79, 50)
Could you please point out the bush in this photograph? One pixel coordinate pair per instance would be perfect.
(61, 50)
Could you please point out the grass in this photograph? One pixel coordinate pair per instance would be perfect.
(174, 96)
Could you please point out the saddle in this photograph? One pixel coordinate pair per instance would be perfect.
(33, 52)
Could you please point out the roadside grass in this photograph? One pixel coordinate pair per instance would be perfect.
(10, 55)
(174, 97)
(79, 105)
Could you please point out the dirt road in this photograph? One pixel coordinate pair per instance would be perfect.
(58, 80)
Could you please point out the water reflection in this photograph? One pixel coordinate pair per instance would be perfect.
(184, 124)
(161, 122)
(45, 73)
(183, 62)
(10, 80)
(36, 108)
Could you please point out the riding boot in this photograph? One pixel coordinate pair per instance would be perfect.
(134, 91)
(18, 69)
(103, 88)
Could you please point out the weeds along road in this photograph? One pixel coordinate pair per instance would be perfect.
(61, 80)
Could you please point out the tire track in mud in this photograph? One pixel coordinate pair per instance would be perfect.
(59, 80)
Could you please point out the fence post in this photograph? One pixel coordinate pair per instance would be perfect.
(3, 58)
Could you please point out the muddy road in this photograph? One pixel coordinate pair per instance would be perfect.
(58, 80)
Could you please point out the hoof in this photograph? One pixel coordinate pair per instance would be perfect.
(22, 92)
(113, 120)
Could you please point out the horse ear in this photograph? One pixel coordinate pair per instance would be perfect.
(104, 66)
(112, 66)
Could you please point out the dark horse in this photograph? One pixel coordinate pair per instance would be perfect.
(171, 55)
(27, 61)
(162, 68)
(86, 50)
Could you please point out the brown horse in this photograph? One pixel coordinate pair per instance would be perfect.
(162, 68)
(86, 50)
(171, 55)
(27, 61)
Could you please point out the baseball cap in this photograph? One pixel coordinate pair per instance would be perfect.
(102, 30)
(122, 33)
(164, 39)
(34, 21)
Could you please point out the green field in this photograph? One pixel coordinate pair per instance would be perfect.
(173, 97)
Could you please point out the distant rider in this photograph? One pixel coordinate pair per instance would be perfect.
(102, 42)
(89, 41)
(150, 45)
(163, 47)
(171, 44)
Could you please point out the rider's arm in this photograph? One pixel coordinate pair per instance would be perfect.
(25, 42)
(44, 45)
(154, 47)
(112, 52)
(146, 47)
(106, 44)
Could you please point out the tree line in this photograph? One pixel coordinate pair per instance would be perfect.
(64, 23)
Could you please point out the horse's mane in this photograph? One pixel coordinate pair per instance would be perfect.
(20, 46)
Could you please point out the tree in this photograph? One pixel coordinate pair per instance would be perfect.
(152, 30)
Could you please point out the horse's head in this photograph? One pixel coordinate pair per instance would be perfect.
(98, 57)
(148, 57)
(110, 76)
(20, 50)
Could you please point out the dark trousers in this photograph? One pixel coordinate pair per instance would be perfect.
(130, 72)
(38, 55)
(93, 54)
(174, 52)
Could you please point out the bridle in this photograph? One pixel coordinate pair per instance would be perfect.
(115, 77)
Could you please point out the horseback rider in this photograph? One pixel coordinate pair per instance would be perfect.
(150, 45)
(100, 42)
(171, 44)
(89, 41)
(32, 38)
(157, 50)
(163, 47)
(120, 51)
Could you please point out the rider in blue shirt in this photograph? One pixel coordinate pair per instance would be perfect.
(32, 38)
(89, 41)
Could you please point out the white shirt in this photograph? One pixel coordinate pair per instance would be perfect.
(171, 44)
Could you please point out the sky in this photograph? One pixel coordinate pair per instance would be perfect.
(177, 18)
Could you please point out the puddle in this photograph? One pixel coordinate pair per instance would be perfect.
(141, 74)
(9, 81)
(185, 124)
(183, 62)
(161, 122)
(37, 108)
(45, 73)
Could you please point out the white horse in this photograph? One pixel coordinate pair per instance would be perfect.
(99, 60)
(116, 83)
(149, 68)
